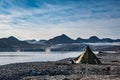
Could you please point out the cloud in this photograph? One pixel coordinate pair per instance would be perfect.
(58, 13)
(101, 28)
(28, 18)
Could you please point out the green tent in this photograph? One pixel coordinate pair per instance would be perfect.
(87, 57)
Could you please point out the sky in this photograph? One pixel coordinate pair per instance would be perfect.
(45, 19)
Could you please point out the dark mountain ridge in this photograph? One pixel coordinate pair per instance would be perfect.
(13, 44)
(65, 39)
(60, 39)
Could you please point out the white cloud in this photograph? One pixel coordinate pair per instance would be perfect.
(52, 20)
(84, 29)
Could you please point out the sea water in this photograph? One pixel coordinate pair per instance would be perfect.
(20, 57)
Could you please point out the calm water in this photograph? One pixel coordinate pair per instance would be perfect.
(18, 57)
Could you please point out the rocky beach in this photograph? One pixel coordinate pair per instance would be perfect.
(64, 70)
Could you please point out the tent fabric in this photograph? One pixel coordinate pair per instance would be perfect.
(87, 57)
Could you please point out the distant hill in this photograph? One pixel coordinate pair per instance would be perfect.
(13, 44)
(10, 41)
(60, 39)
(95, 39)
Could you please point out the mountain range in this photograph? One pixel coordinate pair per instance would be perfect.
(13, 44)
(65, 39)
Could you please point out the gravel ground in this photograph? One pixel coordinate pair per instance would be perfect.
(63, 70)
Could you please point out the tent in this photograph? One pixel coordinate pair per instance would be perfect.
(87, 57)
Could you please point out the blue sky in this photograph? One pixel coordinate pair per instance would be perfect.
(44, 19)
